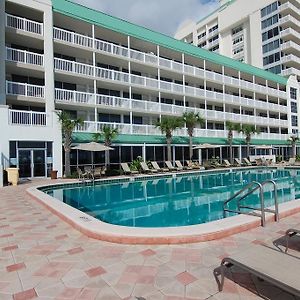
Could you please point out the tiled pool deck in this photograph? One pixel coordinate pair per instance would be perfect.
(42, 257)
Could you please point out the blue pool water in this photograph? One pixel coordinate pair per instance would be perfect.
(167, 202)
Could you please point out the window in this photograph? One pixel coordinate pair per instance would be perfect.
(271, 58)
(294, 107)
(269, 9)
(202, 45)
(275, 69)
(294, 121)
(238, 50)
(270, 33)
(271, 46)
(213, 38)
(270, 21)
(201, 35)
(213, 28)
(238, 39)
(215, 48)
(236, 30)
(293, 93)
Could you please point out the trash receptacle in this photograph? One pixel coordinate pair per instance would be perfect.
(13, 175)
(54, 174)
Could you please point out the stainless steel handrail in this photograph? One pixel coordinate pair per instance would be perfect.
(261, 197)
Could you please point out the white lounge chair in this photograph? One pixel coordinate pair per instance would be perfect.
(146, 169)
(157, 167)
(170, 166)
(127, 170)
(273, 266)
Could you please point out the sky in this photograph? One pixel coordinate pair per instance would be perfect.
(164, 16)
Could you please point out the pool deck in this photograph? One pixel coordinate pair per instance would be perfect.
(43, 257)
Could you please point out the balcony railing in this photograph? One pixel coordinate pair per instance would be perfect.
(27, 118)
(91, 126)
(24, 24)
(149, 58)
(25, 57)
(68, 96)
(24, 89)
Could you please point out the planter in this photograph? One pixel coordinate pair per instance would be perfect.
(13, 175)
(54, 174)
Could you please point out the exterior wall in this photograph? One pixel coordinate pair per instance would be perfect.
(2, 52)
(248, 13)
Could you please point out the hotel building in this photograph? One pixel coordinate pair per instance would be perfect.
(58, 55)
(263, 33)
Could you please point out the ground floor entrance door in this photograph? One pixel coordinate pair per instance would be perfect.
(32, 163)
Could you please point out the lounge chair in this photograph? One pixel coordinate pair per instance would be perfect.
(157, 167)
(247, 162)
(181, 167)
(238, 162)
(194, 165)
(127, 170)
(81, 175)
(273, 266)
(99, 171)
(291, 162)
(290, 233)
(227, 164)
(146, 169)
(170, 166)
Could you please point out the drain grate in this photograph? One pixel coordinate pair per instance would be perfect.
(85, 219)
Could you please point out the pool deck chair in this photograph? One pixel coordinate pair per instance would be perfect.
(146, 169)
(273, 266)
(226, 163)
(158, 168)
(238, 162)
(289, 234)
(170, 166)
(247, 162)
(291, 162)
(127, 170)
(180, 167)
(81, 175)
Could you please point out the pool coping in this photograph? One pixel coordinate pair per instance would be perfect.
(97, 229)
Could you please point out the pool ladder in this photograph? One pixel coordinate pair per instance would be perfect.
(251, 188)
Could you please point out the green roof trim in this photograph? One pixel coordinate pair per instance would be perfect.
(92, 16)
(85, 137)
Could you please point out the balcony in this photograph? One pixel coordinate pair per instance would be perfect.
(24, 24)
(288, 7)
(27, 118)
(291, 59)
(87, 42)
(24, 89)
(25, 57)
(289, 33)
(290, 45)
(91, 126)
(290, 71)
(289, 21)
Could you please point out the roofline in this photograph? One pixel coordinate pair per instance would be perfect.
(101, 19)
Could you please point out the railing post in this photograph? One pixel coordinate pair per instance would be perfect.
(262, 205)
(26, 92)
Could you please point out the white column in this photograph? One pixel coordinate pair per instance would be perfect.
(2, 53)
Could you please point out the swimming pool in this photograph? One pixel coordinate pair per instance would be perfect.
(174, 201)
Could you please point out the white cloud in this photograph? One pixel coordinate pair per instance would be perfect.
(161, 15)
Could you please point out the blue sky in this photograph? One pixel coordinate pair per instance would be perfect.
(161, 15)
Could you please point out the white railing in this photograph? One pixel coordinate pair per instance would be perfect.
(24, 89)
(72, 37)
(24, 24)
(74, 96)
(73, 67)
(151, 58)
(91, 126)
(25, 57)
(27, 118)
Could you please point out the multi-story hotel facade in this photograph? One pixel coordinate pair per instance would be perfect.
(58, 55)
(263, 33)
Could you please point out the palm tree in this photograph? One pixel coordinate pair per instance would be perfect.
(248, 130)
(231, 127)
(67, 127)
(108, 134)
(293, 140)
(191, 120)
(167, 125)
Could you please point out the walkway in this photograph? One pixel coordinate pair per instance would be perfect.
(42, 257)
